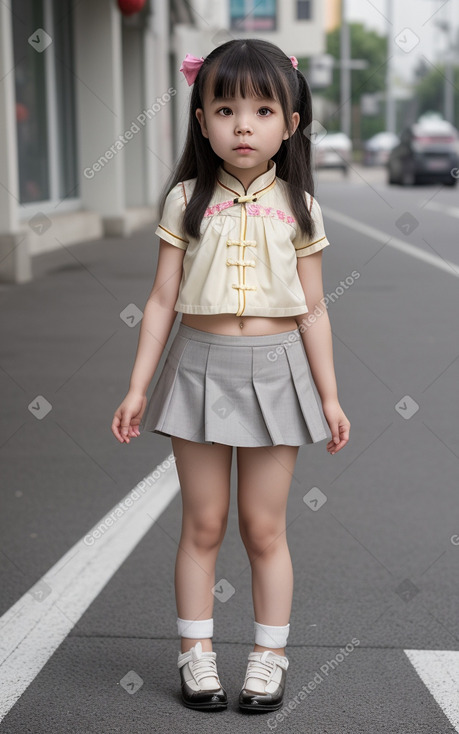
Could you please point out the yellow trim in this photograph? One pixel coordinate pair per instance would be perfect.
(266, 189)
(243, 243)
(310, 244)
(173, 235)
(228, 188)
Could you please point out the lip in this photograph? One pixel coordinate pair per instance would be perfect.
(243, 147)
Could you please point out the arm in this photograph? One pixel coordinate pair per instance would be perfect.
(316, 335)
(158, 316)
(315, 327)
(156, 325)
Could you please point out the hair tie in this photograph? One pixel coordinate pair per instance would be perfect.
(191, 65)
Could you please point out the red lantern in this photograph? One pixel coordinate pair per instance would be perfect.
(129, 7)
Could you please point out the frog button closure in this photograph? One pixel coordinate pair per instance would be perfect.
(243, 200)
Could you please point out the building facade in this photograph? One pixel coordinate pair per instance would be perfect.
(93, 108)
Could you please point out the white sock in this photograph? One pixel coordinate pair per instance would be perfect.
(271, 635)
(195, 628)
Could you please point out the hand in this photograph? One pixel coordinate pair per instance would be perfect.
(127, 417)
(339, 425)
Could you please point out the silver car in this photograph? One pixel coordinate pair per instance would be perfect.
(334, 150)
(428, 152)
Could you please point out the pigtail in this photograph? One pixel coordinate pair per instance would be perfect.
(294, 158)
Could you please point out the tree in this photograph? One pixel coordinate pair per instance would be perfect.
(430, 89)
(364, 44)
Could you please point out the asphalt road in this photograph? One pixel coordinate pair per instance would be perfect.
(88, 637)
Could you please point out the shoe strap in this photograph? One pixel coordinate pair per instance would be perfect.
(270, 658)
(202, 665)
(203, 668)
(257, 669)
(194, 654)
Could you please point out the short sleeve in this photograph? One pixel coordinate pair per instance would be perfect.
(170, 225)
(305, 246)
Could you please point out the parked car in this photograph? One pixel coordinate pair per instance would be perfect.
(428, 152)
(377, 148)
(334, 150)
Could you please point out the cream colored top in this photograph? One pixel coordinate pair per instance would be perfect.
(245, 260)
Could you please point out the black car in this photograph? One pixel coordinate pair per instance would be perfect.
(428, 152)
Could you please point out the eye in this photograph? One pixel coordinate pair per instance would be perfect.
(264, 111)
(224, 110)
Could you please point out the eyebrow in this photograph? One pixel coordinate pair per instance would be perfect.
(224, 99)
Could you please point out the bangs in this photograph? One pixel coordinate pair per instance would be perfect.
(248, 75)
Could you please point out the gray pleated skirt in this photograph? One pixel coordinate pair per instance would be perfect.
(236, 390)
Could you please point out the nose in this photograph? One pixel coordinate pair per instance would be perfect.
(243, 127)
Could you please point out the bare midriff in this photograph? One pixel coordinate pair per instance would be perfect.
(230, 324)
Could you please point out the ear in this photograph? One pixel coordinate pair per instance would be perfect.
(295, 123)
(202, 121)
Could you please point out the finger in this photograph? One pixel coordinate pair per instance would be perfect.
(115, 428)
(335, 433)
(341, 444)
(344, 432)
(125, 428)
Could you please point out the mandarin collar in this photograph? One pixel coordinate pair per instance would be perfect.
(231, 182)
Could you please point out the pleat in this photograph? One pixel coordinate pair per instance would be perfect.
(232, 411)
(308, 397)
(186, 408)
(176, 405)
(272, 382)
(239, 396)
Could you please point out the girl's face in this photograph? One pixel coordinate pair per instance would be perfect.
(244, 132)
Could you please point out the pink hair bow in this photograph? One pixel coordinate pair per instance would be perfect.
(190, 67)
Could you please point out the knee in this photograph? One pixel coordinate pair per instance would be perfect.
(262, 536)
(206, 531)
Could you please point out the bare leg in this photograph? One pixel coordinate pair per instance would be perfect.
(204, 472)
(264, 479)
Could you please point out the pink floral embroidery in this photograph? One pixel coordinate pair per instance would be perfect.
(253, 210)
(257, 210)
(218, 208)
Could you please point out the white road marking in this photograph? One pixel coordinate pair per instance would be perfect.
(33, 628)
(40, 626)
(452, 211)
(439, 671)
(395, 242)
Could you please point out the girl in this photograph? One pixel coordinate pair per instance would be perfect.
(241, 239)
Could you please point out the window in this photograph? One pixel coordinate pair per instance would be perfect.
(304, 10)
(45, 100)
(253, 15)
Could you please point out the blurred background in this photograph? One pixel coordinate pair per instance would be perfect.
(93, 112)
(93, 106)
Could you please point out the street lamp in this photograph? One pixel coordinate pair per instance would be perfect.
(448, 96)
(346, 64)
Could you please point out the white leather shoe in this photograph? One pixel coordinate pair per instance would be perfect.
(201, 687)
(264, 682)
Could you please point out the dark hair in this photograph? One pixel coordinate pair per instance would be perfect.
(248, 66)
